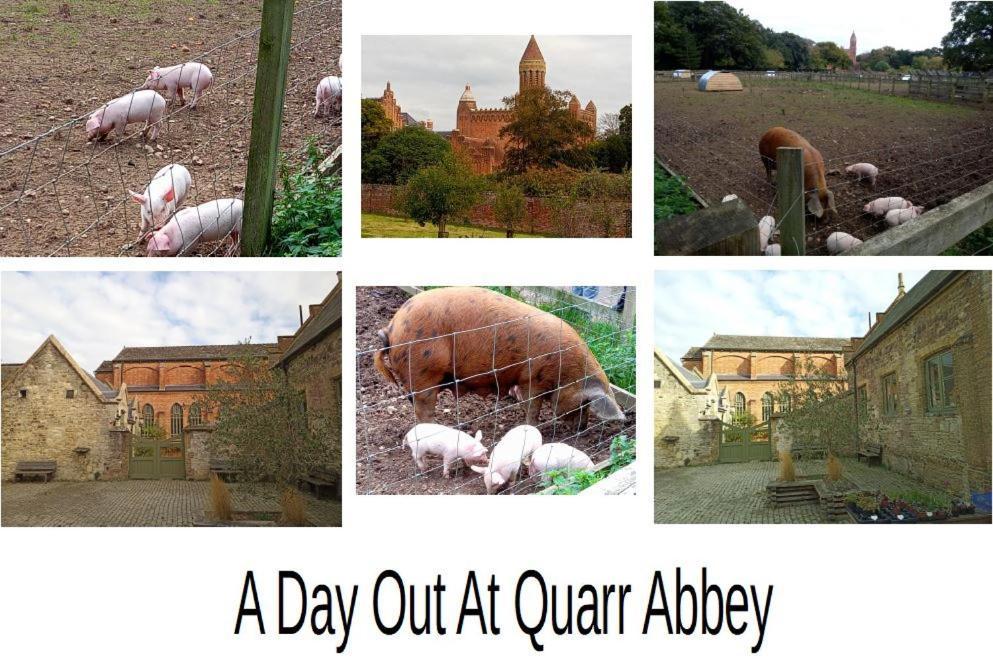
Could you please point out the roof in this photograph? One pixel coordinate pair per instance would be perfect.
(105, 366)
(532, 52)
(192, 352)
(467, 95)
(316, 326)
(775, 343)
(919, 295)
(94, 385)
(690, 380)
(691, 376)
(692, 353)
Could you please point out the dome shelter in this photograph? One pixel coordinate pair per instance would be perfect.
(719, 81)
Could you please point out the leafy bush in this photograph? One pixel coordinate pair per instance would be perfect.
(440, 193)
(509, 207)
(306, 217)
(621, 452)
(153, 431)
(570, 481)
(401, 154)
(672, 198)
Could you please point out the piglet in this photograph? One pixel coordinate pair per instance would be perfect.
(864, 172)
(773, 249)
(141, 106)
(173, 80)
(162, 196)
(880, 206)
(895, 217)
(451, 444)
(839, 242)
(328, 97)
(767, 225)
(210, 221)
(557, 455)
(506, 458)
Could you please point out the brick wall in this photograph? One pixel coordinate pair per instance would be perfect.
(684, 416)
(950, 450)
(602, 219)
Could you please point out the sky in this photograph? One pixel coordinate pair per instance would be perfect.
(690, 306)
(877, 23)
(429, 73)
(95, 314)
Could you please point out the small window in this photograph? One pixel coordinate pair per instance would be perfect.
(70, 394)
(766, 406)
(786, 402)
(658, 383)
(147, 419)
(176, 420)
(891, 404)
(739, 404)
(196, 418)
(939, 382)
(24, 393)
(863, 401)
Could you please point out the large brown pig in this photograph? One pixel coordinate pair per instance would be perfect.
(474, 340)
(819, 198)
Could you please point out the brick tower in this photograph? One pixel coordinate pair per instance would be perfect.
(532, 66)
(853, 52)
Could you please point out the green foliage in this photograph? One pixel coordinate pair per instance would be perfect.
(621, 452)
(153, 431)
(821, 409)
(829, 55)
(978, 242)
(672, 198)
(927, 501)
(306, 217)
(375, 225)
(969, 44)
(400, 154)
(543, 133)
(440, 192)
(881, 66)
(612, 153)
(375, 127)
(574, 481)
(509, 207)
(712, 35)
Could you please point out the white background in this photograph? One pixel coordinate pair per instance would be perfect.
(910, 593)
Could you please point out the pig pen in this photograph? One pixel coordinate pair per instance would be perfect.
(926, 151)
(383, 416)
(60, 196)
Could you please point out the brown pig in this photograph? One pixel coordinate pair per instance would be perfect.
(474, 340)
(819, 198)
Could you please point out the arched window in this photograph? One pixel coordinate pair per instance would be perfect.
(739, 404)
(766, 406)
(147, 417)
(786, 402)
(176, 421)
(195, 417)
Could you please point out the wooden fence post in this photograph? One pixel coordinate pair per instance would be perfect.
(267, 119)
(627, 312)
(790, 201)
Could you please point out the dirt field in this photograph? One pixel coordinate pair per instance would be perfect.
(383, 417)
(60, 195)
(927, 152)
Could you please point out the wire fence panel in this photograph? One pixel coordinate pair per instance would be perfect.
(62, 194)
(499, 371)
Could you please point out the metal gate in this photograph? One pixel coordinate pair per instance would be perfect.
(157, 458)
(745, 443)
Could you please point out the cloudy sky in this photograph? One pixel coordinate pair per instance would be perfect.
(877, 23)
(95, 314)
(429, 73)
(690, 306)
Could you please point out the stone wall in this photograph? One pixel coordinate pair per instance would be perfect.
(685, 432)
(44, 424)
(196, 439)
(949, 450)
(602, 219)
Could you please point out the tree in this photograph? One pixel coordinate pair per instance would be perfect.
(610, 124)
(773, 59)
(675, 46)
(829, 55)
(816, 407)
(375, 125)
(439, 193)
(613, 153)
(509, 207)
(543, 132)
(402, 153)
(881, 66)
(969, 44)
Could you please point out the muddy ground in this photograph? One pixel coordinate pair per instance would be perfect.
(927, 152)
(383, 416)
(62, 196)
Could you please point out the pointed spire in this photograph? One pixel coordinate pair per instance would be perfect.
(532, 52)
(900, 291)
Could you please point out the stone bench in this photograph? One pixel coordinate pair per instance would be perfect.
(873, 453)
(35, 469)
(224, 469)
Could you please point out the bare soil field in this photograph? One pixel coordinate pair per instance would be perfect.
(60, 195)
(383, 417)
(927, 152)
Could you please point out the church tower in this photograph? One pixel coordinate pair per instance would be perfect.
(853, 52)
(532, 67)
(463, 116)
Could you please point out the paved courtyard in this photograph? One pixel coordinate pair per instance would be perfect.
(137, 503)
(736, 494)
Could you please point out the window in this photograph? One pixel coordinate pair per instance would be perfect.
(176, 421)
(863, 401)
(196, 418)
(24, 393)
(786, 402)
(766, 406)
(147, 418)
(739, 404)
(70, 394)
(891, 405)
(939, 382)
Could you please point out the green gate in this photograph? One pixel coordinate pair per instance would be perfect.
(745, 443)
(157, 458)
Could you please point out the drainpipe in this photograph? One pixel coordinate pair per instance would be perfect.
(855, 382)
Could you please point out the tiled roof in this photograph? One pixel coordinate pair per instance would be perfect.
(105, 366)
(775, 343)
(193, 352)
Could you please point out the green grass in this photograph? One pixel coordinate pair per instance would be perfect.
(884, 99)
(672, 197)
(375, 225)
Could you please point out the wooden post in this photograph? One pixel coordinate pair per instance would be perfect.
(267, 118)
(627, 313)
(790, 201)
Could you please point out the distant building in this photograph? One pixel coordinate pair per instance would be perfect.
(853, 52)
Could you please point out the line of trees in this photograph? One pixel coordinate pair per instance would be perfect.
(714, 35)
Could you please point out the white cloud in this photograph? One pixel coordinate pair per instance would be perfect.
(95, 314)
(690, 306)
(429, 73)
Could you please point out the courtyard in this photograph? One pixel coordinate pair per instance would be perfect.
(735, 493)
(138, 503)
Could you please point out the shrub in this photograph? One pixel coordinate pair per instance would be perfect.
(153, 431)
(509, 207)
(220, 499)
(401, 154)
(569, 481)
(294, 507)
(440, 193)
(787, 470)
(834, 467)
(306, 216)
(621, 452)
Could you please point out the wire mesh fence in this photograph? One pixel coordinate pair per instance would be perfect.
(527, 365)
(75, 188)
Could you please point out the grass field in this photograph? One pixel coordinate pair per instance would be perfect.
(374, 225)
